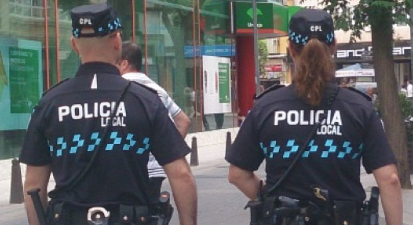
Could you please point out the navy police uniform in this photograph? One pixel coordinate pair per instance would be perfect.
(67, 126)
(280, 122)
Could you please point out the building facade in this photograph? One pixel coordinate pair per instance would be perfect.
(35, 54)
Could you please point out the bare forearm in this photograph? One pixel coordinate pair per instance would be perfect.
(183, 130)
(247, 182)
(391, 195)
(391, 199)
(31, 213)
(182, 123)
(184, 191)
(36, 178)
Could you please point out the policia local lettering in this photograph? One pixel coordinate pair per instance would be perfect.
(96, 110)
(330, 125)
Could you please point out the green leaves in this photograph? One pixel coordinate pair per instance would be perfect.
(263, 56)
(367, 12)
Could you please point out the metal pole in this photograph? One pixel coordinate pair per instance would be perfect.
(256, 61)
(411, 44)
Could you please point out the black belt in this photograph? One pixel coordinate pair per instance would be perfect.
(66, 214)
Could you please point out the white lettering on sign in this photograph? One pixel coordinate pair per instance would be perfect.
(359, 52)
(316, 28)
(85, 21)
(259, 25)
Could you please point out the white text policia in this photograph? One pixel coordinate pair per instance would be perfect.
(330, 125)
(95, 110)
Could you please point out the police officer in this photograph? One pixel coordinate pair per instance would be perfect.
(282, 119)
(94, 133)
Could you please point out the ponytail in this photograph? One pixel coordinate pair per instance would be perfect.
(314, 68)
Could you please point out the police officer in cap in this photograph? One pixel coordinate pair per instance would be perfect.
(283, 118)
(94, 132)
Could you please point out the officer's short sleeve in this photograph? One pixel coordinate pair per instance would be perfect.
(35, 150)
(245, 152)
(376, 149)
(167, 143)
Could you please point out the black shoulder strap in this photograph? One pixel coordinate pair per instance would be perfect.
(54, 86)
(268, 90)
(330, 101)
(360, 93)
(76, 180)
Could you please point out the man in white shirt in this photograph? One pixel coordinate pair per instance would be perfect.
(130, 67)
(409, 90)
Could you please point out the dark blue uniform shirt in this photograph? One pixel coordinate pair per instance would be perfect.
(278, 125)
(67, 127)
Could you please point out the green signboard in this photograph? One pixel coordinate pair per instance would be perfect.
(271, 18)
(293, 10)
(224, 90)
(24, 79)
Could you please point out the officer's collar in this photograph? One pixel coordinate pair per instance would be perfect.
(97, 67)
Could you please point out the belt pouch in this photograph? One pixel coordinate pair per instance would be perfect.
(126, 214)
(141, 214)
(345, 212)
(268, 209)
(57, 215)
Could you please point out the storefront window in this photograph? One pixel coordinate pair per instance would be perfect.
(169, 30)
(218, 52)
(22, 69)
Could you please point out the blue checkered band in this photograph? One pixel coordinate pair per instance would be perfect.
(301, 39)
(100, 31)
(327, 149)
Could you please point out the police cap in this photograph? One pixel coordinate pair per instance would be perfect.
(311, 23)
(102, 18)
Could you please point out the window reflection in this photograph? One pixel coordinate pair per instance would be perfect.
(22, 58)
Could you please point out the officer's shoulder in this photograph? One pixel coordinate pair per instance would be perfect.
(53, 88)
(354, 90)
(269, 90)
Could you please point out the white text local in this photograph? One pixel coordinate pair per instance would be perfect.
(330, 125)
(94, 110)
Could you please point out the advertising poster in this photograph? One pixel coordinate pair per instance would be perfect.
(216, 84)
(21, 81)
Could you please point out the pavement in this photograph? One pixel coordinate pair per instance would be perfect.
(210, 156)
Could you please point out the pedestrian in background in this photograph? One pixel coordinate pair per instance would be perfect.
(130, 67)
(94, 132)
(409, 90)
(283, 122)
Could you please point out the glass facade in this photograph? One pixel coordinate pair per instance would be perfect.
(35, 53)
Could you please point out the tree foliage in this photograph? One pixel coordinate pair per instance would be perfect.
(262, 56)
(355, 19)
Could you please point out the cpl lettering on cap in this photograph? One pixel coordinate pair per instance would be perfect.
(316, 28)
(85, 21)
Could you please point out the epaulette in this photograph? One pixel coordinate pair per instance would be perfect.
(54, 86)
(268, 90)
(146, 87)
(359, 92)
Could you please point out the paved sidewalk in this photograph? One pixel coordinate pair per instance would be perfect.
(209, 155)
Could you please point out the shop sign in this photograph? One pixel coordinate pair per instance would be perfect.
(21, 81)
(360, 52)
(271, 18)
(212, 50)
(274, 68)
(216, 84)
